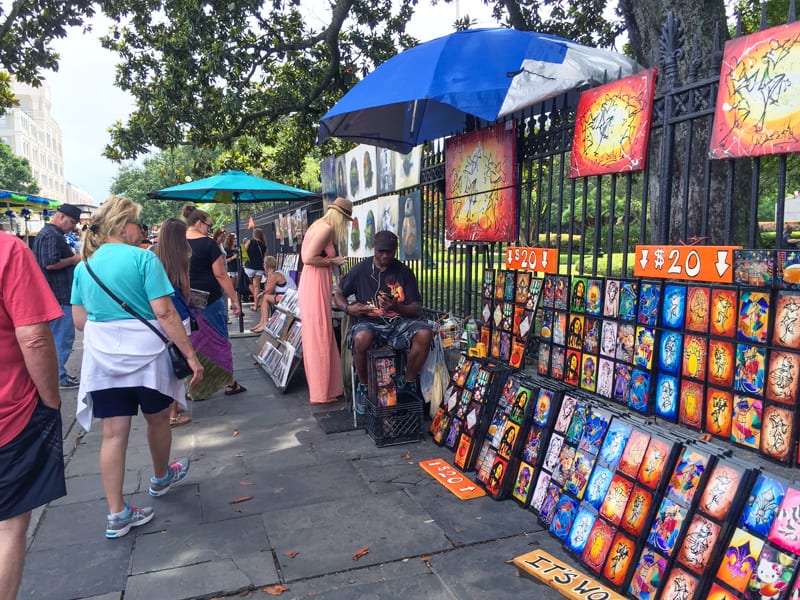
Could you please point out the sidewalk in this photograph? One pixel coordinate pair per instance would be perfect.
(316, 501)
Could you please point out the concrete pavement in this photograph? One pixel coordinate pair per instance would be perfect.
(317, 500)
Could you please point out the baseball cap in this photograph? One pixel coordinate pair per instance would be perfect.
(385, 240)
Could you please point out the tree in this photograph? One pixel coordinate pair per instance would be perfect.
(268, 72)
(27, 27)
(15, 172)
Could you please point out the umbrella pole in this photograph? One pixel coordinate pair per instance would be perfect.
(241, 261)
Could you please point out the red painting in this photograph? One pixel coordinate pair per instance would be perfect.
(480, 180)
(612, 125)
(757, 105)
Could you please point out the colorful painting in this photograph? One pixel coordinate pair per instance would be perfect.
(787, 267)
(572, 368)
(563, 467)
(605, 377)
(614, 443)
(786, 331)
(762, 505)
(480, 180)
(594, 296)
(719, 412)
(577, 298)
(637, 510)
(723, 312)
(777, 432)
(560, 292)
(563, 516)
(522, 484)
(773, 574)
(523, 287)
(785, 531)
(740, 559)
(654, 462)
(559, 327)
(634, 453)
(581, 528)
(666, 526)
(613, 506)
(575, 332)
(720, 490)
(673, 312)
(612, 125)
(639, 391)
(694, 359)
(565, 413)
(643, 347)
(698, 308)
(628, 295)
(680, 585)
(611, 298)
(589, 372)
(666, 397)
(597, 545)
(591, 335)
(756, 104)
(598, 485)
(687, 475)
(670, 352)
(547, 511)
(649, 296)
(543, 362)
(577, 424)
(540, 491)
(557, 356)
(753, 314)
(548, 291)
(754, 267)
(622, 382)
(691, 404)
(626, 335)
(497, 475)
(750, 369)
(488, 284)
(534, 294)
(508, 440)
(648, 575)
(621, 555)
(517, 409)
(747, 419)
(721, 360)
(782, 377)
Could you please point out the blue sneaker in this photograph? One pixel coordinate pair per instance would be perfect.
(407, 386)
(117, 526)
(362, 395)
(178, 471)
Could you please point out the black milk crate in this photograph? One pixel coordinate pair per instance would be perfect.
(398, 424)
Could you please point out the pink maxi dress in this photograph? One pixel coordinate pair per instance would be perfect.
(323, 366)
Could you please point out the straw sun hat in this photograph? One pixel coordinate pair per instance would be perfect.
(343, 206)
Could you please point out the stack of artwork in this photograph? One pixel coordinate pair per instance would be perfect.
(508, 305)
(461, 420)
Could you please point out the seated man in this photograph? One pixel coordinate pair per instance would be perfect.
(386, 309)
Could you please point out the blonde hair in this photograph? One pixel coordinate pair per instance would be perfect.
(338, 223)
(270, 262)
(109, 220)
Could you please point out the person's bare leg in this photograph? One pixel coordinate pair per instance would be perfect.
(418, 353)
(12, 554)
(159, 438)
(112, 460)
(362, 341)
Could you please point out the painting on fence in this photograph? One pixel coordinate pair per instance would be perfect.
(480, 180)
(757, 104)
(612, 126)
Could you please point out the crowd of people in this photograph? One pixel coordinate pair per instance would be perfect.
(130, 293)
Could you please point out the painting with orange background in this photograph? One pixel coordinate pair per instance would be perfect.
(698, 308)
(480, 183)
(723, 312)
(719, 412)
(757, 105)
(634, 453)
(597, 545)
(721, 358)
(654, 462)
(690, 410)
(782, 377)
(777, 432)
(739, 560)
(612, 125)
(680, 584)
(621, 555)
(786, 330)
(720, 490)
(637, 510)
(694, 357)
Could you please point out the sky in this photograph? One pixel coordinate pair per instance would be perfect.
(85, 102)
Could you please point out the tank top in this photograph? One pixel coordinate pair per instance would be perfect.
(255, 253)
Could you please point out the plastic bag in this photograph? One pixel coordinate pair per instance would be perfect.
(434, 375)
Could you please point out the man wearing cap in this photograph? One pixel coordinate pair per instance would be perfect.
(57, 260)
(387, 310)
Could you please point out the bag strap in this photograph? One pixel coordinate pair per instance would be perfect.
(124, 305)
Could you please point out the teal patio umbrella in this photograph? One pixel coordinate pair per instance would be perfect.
(237, 188)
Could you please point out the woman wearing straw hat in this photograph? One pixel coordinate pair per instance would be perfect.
(320, 253)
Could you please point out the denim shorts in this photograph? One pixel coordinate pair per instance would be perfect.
(32, 465)
(396, 334)
(125, 402)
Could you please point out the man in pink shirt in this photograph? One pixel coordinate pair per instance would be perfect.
(31, 455)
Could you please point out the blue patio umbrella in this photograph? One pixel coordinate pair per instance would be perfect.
(233, 187)
(430, 90)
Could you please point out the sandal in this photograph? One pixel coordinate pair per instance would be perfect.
(179, 420)
(256, 329)
(235, 388)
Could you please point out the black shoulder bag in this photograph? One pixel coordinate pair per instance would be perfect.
(179, 363)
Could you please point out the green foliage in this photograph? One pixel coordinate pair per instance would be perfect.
(750, 14)
(15, 172)
(26, 30)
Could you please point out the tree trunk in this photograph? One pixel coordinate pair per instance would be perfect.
(683, 50)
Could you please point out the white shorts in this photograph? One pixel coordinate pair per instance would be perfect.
(253, 272)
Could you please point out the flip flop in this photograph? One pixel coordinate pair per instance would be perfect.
(235, 388)
(179, 420)
(256, 330)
